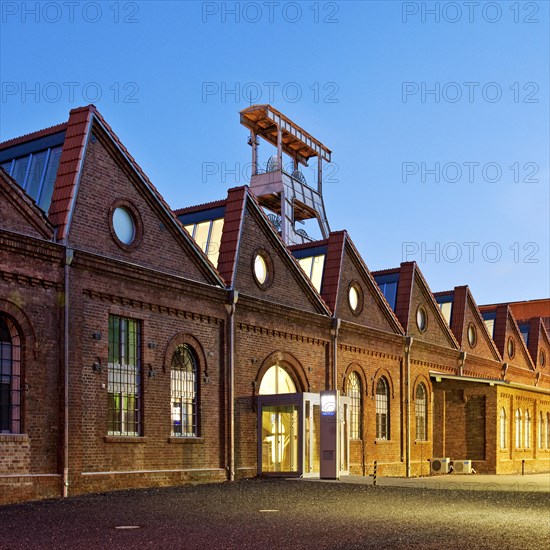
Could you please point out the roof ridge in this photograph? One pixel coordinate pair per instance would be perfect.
(200, 207)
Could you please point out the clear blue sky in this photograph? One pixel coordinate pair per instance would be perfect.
(170, 78)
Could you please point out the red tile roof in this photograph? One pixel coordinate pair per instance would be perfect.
(333, 268)
(33, 135)
(404, 293)
(68, 172)
(232, 225)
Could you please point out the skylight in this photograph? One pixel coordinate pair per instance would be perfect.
(313, 266)
(208, 235)
(36, 173)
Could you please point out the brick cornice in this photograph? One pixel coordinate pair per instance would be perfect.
(286, 335)
(30, 246)
(150, 306)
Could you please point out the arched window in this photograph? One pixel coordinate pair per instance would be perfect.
(420, 406)
(382, 410)
(276, 380)
(354, 393)
(518, 429)
(527, 430)
(540, 431)
(503, 429)
(10, 377)
(184, 378)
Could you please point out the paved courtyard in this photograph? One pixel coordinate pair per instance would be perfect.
(283, 514)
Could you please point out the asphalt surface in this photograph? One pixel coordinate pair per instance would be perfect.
(283, 514)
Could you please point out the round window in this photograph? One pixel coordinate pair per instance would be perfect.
(511, 348)
(421, 319)
(260, 269)
(472, 335)
(123, 225)
(355, 298)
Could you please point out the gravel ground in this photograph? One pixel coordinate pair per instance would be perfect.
(282, 514)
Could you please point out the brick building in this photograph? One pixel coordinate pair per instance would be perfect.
(141, 346)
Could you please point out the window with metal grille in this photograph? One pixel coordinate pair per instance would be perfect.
(183, 377)
(354, 393)
(10, 377)
(382, 410)
(503, 429)
(420, 405)
(124, 377)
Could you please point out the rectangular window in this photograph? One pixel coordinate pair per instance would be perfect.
(124, 378)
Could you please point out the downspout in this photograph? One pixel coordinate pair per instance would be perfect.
(334, 333)
(408, 345)
(69, 255)
(230, 307)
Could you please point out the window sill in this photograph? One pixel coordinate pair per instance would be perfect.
(421, 441)
(125, 439)
(382, 441)
(184, 440)
(14, 438)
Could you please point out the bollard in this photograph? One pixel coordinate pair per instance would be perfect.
(375, 472)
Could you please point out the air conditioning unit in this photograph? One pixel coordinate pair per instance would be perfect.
(440, 465)
(462, 466)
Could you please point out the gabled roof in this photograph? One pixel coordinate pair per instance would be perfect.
(461, 296)
(537, 335)
(199, 207)
(504, 317)
(336, 247)
(21, 201)
(77, 132)
(403, 302)
(238, 199)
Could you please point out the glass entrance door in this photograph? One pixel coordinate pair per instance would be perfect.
(312, 430)
(279, 438)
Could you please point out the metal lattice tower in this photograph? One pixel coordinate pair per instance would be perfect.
(286, 192)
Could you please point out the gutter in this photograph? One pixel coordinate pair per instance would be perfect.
(230, 308)
(69, 256)
(407, 350)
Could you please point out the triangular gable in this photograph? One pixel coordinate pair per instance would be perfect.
(465, 311)
(506, 328)
(437, 328)
(18, 212)
(538, 341)
(79, 130)
(249, 231)
(375, 311)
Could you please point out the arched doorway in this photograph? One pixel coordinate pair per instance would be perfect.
(279, 433)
